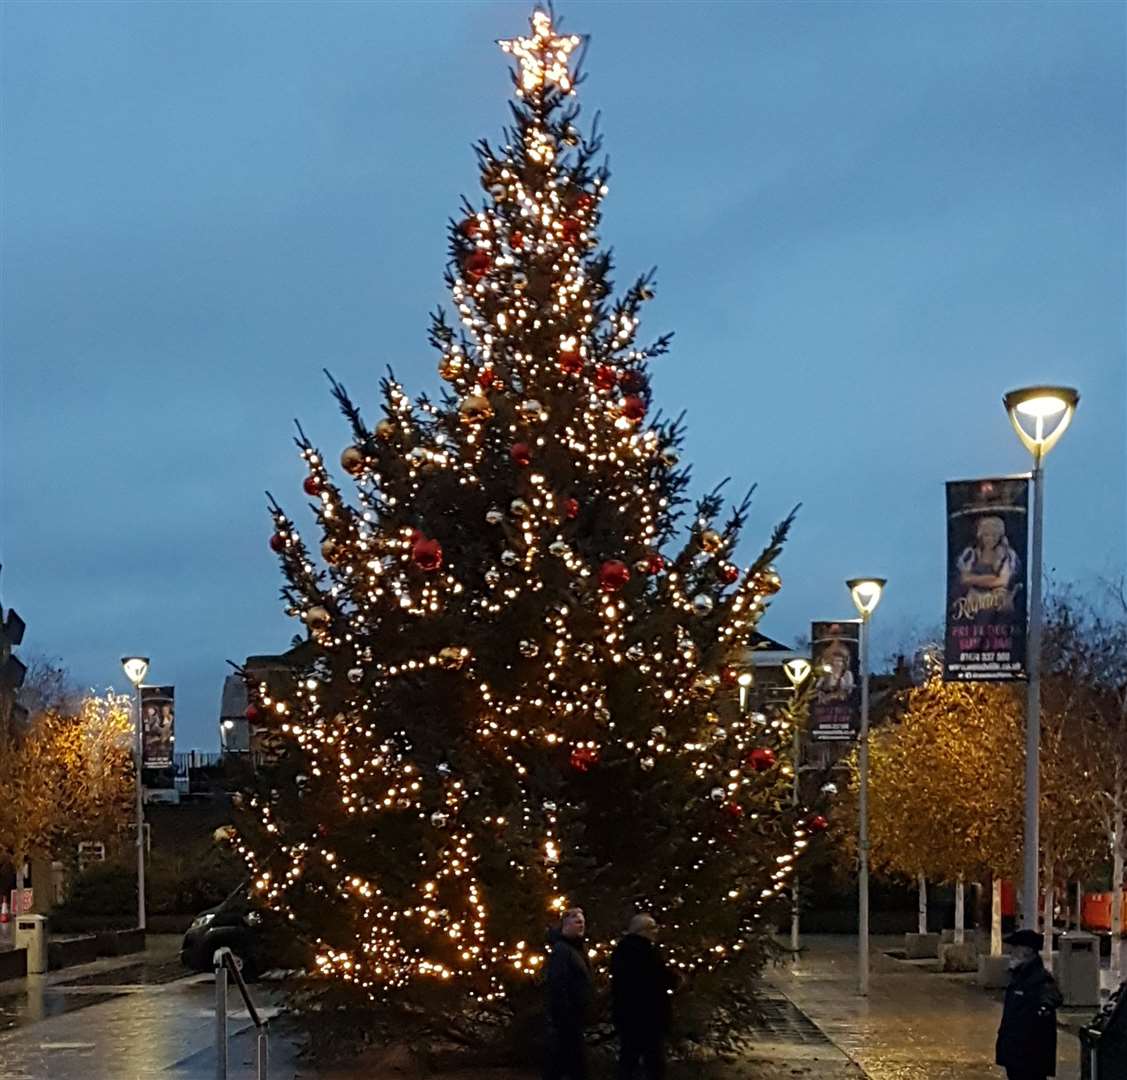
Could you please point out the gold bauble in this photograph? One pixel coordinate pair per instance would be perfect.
(475, 409)
(451, 367)
(385, 429)
(711, 540)
(352, 460)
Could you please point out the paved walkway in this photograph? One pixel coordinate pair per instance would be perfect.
(118, 1020)
(914, 1025)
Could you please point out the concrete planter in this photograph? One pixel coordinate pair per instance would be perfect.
(120, 942)
(994, 972)
(960, 958)
(921, 946)
(13, 964)
(66, 952)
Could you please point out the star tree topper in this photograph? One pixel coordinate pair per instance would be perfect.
(544, 56)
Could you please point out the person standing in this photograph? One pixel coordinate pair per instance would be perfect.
(1027, 1036)
(641, 984)
(569, 999)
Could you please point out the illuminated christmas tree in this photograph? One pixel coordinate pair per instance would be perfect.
(524, 691)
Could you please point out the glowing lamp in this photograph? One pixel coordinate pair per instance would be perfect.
(866, 593)
(136, 668)
(797, 670)
(1041, 415)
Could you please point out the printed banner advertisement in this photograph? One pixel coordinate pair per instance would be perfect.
(835, 712)
(987, 537)
(158, 726)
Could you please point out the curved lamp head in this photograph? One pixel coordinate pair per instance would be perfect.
(866, 593)
(1041, 415)
(136, 668)
(797, 670)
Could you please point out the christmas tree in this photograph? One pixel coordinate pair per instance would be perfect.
(521, 692)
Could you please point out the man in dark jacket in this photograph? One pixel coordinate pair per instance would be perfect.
(641, 984)
(1027, 1037)
(569, 999)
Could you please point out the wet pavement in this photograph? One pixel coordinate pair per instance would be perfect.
(914, 1025)
(143, 1019)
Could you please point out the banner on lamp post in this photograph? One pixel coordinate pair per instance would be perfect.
(835, 711)
(987, 560)
(158, 726)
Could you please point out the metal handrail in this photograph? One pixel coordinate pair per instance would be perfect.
(224, 964)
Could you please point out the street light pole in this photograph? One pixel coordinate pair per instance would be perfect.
(1032, 838)
(866, 593)
(136, 668)
(1040, 415)
(797, 669)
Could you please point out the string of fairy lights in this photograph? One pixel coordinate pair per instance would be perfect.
(548, 400)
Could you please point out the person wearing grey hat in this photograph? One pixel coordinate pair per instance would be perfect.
(1027, 1037)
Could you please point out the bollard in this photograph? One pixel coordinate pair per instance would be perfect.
(220, 1018)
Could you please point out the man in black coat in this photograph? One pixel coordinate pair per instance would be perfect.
(641, 984)
(569, 999)
(1027, 1037)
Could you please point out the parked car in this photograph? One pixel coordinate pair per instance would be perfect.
(235, 925)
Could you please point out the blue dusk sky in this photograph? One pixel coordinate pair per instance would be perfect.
(869, 221)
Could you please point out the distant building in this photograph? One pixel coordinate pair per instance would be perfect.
(236, 734)
(12, 671)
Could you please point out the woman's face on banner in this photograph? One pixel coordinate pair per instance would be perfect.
(990, 533)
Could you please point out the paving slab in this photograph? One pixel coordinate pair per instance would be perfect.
(914, 1025)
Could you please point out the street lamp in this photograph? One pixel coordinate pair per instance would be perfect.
(866, 594)
(797, 670)
(136, 668)
(1040, 416)
(745, 681)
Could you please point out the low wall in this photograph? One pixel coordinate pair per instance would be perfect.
(66, 952)
(13, 964)
(120, 942)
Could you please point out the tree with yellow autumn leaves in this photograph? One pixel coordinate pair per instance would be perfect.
(67, 777)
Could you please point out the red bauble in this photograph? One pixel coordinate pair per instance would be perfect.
(571, 230)
(605, 377)
(477, 264)
(729, 675)
(655, 563)
(734, 810)
(571, 363)
(633, 407)
(585, 200)
(470, 228)
(521, 453)
(631, 381)
(817, 824)
(729, 573)
(277, 542)
(583, 757)
(613, 574)
(312, 485)
(427, 554)
(571, 509)
(761, 759)
(516, 241)
(486, 377)
(253, 713)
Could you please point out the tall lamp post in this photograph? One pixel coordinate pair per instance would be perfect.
(136, 668)
(1040, 416)
(866, 594)
(797, 671)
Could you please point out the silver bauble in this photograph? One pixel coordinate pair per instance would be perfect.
(702, 604)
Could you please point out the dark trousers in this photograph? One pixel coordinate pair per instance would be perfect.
(567, 1056)
(640, 1047)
